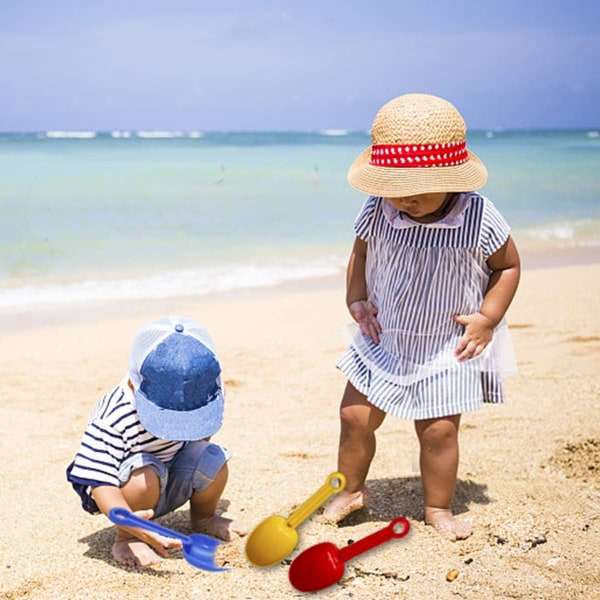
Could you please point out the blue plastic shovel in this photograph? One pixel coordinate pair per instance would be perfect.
(198, 549)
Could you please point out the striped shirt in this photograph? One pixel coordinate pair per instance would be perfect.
(419, 276)
(113, 433)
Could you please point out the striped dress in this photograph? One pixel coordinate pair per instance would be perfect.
(113, 433)
(419, 275)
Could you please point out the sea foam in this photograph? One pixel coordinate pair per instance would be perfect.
(80, 135)
(171, 284)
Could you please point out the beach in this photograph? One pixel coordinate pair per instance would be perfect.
(529, 475)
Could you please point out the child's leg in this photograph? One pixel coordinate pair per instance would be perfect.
(359, 421)
(141, 491)
(203, 506)
(199, 474)
(439, 465)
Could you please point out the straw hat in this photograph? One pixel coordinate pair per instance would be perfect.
(418, 146)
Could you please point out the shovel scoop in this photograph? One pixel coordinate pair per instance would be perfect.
(198, 549)
(323, 565)
(275, 537)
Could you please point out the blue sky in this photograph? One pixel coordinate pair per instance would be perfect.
(303, 65)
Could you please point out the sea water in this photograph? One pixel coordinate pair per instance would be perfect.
(88, 217)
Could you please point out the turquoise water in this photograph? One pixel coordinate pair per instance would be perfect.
(87, 217)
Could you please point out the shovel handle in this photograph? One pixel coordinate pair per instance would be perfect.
(397, 528)
(122, 516)
(335, 483)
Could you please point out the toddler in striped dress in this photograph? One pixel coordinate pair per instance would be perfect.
(431, 274)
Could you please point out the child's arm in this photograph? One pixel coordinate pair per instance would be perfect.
(359, 305)
(479, 327)
(108, 497)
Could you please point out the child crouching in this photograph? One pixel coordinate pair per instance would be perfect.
(146, 447)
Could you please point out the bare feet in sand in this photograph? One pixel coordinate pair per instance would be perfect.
(345, 503)
(220, 527)
(132, 552)
(446, 524)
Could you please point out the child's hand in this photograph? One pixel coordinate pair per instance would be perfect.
(160, 543)
(479, 331)
(365, 314)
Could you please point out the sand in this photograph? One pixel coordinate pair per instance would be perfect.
(529, 477)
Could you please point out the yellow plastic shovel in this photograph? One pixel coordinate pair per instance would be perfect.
(275, 537)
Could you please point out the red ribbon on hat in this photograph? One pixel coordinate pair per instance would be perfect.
(447, 154)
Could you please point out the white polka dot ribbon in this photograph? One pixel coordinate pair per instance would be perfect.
(447, 154)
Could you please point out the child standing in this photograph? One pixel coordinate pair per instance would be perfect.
(146, 444)
(432, 272)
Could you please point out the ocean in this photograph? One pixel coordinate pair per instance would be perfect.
(90, 217)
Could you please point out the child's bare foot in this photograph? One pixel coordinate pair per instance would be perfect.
(446, 524)
(220, 527)
(132, 552)
(344, 503)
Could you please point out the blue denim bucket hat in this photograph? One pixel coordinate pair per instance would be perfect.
(176, 379)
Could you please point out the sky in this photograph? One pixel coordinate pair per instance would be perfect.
(239, 65)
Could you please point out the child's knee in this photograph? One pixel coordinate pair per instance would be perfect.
(211, 467)
(143, 487)
(144, 476)
(352, 418)
(360, 419)
(141, 470)
(220, 479)
(439, 432)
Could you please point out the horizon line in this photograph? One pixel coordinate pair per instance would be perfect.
(58, 133)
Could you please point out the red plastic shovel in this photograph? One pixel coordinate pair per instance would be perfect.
(322, 565)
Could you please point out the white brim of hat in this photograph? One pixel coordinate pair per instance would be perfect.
(179, 425)
(399, 182)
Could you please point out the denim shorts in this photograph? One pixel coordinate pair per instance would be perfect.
(191, 470)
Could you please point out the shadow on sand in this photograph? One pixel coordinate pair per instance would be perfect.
(403, 496)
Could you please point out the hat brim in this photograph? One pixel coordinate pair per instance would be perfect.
(399, 182)
(181, 426)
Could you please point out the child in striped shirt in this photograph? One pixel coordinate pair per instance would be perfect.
(431, 274)
(146, 447)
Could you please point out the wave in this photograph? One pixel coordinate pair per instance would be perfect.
(561, 234)
(120, 134)
(81, 135)
(171, 284)
(165, 135)
(159, 134)
(553, 231)
(334, 132)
